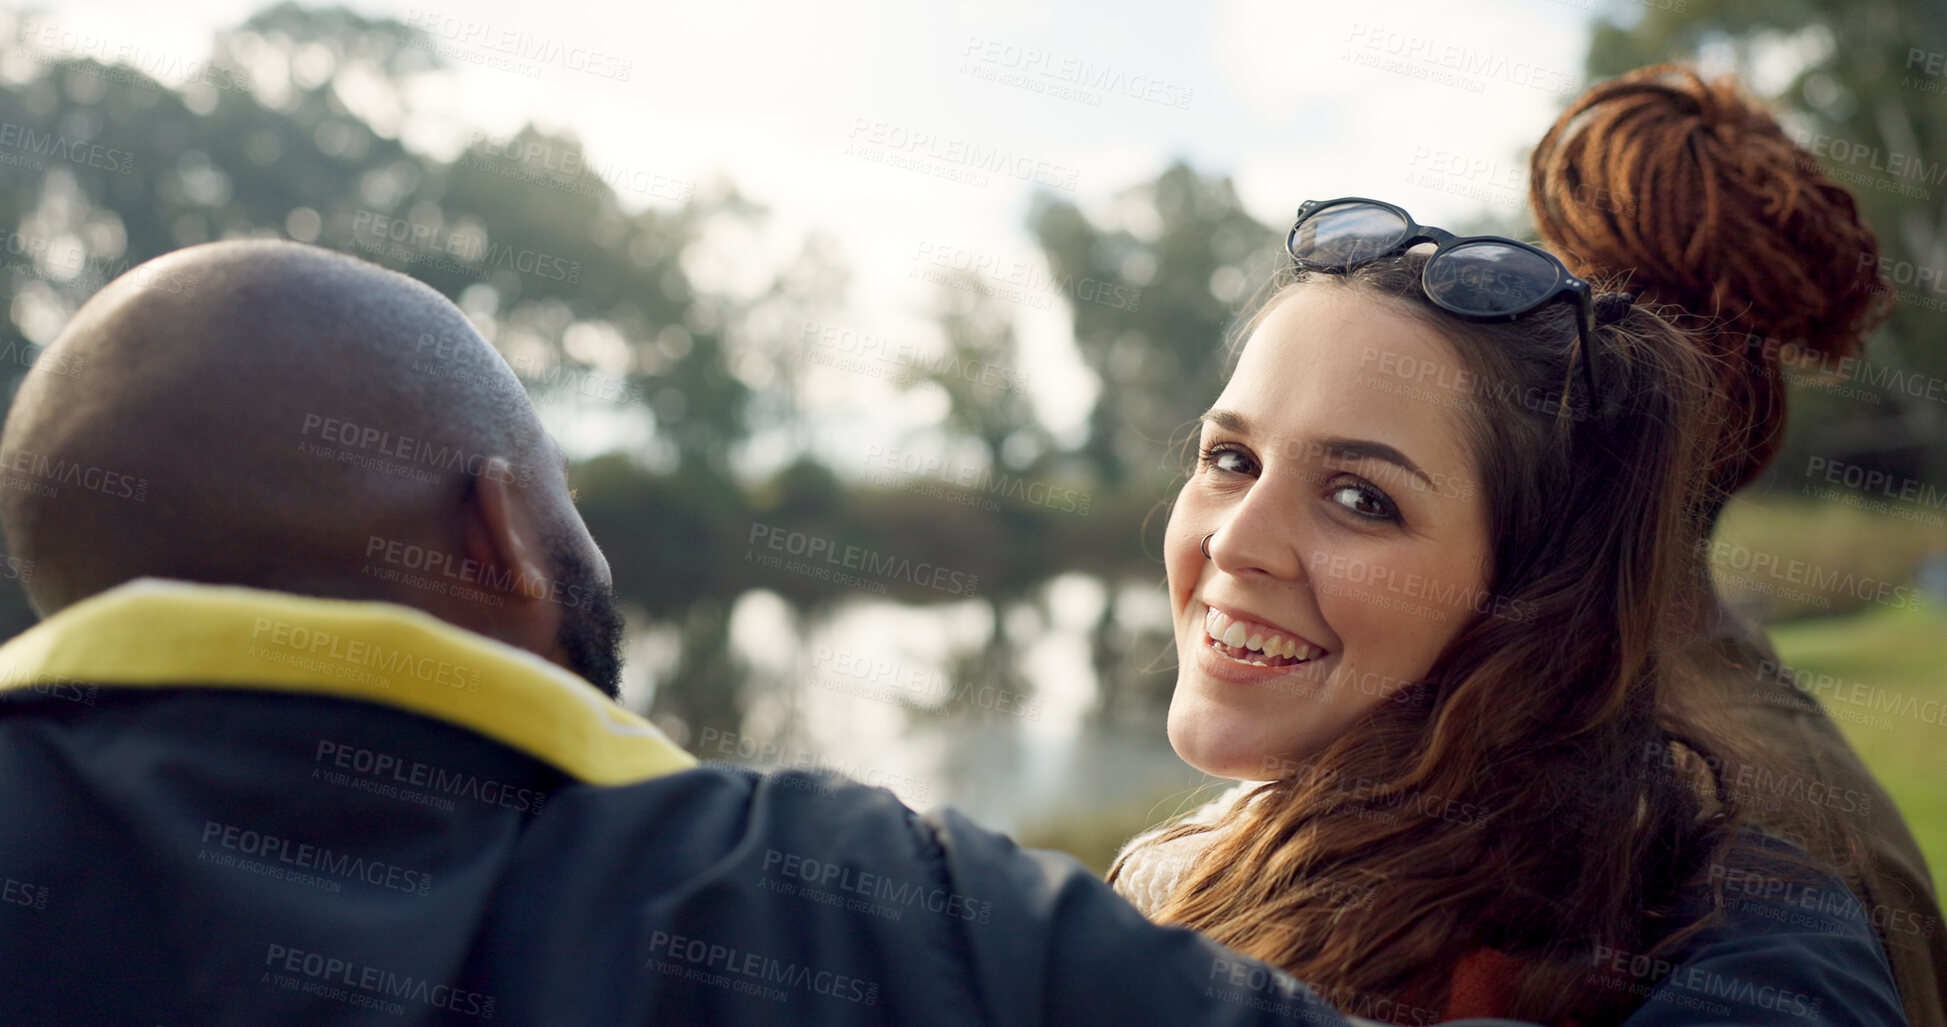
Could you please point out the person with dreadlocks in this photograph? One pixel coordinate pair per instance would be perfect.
(1710, 211)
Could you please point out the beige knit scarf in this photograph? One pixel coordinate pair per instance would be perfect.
(1152, 868)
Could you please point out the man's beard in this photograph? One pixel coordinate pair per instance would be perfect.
(591, 630)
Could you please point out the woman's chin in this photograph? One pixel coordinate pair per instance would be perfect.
(1238, 768)
(1210, 741)
(1225, 731)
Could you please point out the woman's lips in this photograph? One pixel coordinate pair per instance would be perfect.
(1247, 641)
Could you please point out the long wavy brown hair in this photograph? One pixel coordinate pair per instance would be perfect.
(1535, 795)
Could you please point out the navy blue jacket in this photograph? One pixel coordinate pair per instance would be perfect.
(221, 806)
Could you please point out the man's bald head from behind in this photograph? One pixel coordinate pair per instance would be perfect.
(305, 422)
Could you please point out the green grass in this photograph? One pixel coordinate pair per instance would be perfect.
(1899, 655)
(1780, 560)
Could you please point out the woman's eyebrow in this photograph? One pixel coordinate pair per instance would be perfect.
(1335, 447)
(1366, 449)
(1228, 420)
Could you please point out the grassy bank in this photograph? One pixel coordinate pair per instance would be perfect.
(1889, 697)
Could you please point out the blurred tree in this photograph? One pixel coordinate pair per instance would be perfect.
(1184, 254)
(980, 373)
(769, 335)
(289, 129)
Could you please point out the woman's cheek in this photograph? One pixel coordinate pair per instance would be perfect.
(1350, 590)
(1182, 559)
(1393, 616)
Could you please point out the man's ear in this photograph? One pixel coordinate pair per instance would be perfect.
(504, 535)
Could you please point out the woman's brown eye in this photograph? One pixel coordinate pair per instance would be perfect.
(1365, 501)
(1226, 459)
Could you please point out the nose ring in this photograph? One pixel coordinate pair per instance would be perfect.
(1205, 544)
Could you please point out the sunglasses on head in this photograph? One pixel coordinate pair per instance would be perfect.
(1486, 278)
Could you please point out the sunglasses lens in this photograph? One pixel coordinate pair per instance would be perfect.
(1487, 278)
(1347, 234)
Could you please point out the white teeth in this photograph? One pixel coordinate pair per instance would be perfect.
(1233, 633)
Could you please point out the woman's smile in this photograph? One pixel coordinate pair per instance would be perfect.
(1247, 640)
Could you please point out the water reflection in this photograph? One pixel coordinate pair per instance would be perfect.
(936, 704)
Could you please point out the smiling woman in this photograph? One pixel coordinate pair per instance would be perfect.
(1422, 582)
(1307, 475)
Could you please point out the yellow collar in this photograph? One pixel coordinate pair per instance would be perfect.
(171, 633)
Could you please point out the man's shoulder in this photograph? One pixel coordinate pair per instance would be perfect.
(1782, 940)
(808, 828)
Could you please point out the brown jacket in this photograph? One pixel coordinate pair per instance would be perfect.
(1892, 878)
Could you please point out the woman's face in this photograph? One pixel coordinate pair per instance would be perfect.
(1351, 533)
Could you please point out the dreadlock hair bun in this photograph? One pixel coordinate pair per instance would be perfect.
(1688, 193)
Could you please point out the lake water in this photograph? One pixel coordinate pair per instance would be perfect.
(865, 690)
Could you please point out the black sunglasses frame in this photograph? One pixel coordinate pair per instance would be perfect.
(1567, 285)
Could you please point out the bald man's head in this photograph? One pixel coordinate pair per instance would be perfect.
(305, 422)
